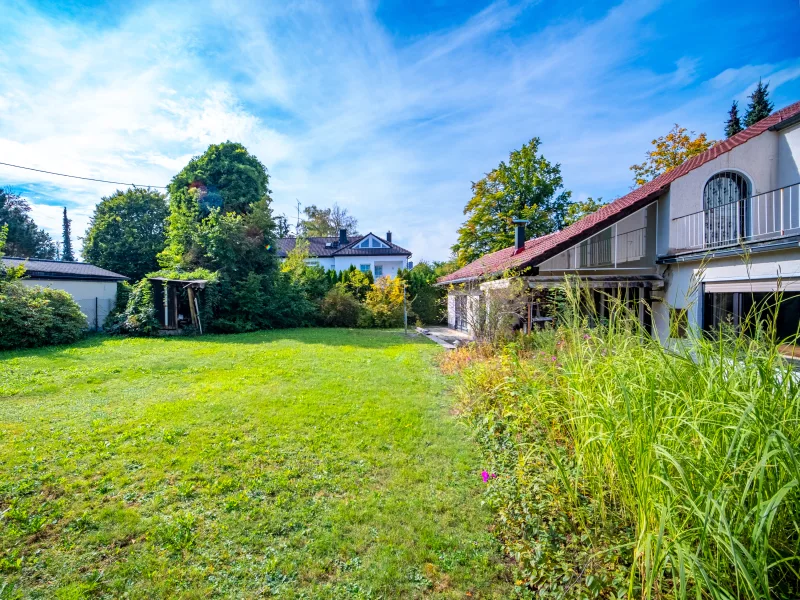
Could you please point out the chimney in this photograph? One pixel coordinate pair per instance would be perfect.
(342, 237)
(389, 236)
(519, 234)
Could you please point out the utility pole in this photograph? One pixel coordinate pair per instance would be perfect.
(297, 226)
(405, 310)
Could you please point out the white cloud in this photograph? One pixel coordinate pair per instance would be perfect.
(339, 109)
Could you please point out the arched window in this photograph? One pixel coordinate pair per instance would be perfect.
(724, 188)
(727, 208)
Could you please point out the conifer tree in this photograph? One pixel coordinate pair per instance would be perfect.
(66, 254)
(759, 106)
(734, 123)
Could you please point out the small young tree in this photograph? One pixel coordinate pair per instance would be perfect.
(760, 106)
(66, 227)
(734, 123)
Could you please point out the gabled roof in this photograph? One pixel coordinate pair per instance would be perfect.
(36, 268)
(555, 243)
(321, 247)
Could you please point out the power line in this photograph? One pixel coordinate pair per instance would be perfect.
(163, 187)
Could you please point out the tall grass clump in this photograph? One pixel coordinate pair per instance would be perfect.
(627, 469)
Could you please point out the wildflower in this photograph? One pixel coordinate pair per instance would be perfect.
(586, 336)
(487, 476)
(553, 358)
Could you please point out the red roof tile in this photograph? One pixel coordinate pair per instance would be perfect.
(540, 249)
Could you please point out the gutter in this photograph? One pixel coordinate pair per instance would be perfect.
(736, 250)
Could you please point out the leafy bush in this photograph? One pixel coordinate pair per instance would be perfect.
(139, 316)
(627, 470)
(384, 303)
(340, 308)
(37, 316)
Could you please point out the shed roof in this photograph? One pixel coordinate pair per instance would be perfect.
(545, 247)
(37, 268)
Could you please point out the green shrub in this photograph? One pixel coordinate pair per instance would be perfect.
(627, 470)
(67, 322)
(139, 316)
(340, 308)
(384, 303)
(37, 316)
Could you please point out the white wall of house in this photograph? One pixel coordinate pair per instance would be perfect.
(789, 157)
(96, 298)
(756, 159)
(326, 262)
(389, 264)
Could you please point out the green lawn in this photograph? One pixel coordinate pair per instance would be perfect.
(295, 464)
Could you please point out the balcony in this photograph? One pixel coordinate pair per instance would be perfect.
(760, 218)
(606, 249)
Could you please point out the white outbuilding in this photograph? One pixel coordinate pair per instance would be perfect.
(93, 288)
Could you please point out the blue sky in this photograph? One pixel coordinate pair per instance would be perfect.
(389, 108)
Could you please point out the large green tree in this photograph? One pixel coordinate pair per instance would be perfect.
(221, 220)
(577, 210)
(326, 222)
(23, 237)
(127, 231)
(527, 187)
(760, 106)
(224, 183)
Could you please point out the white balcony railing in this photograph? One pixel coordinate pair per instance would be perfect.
(767, 216)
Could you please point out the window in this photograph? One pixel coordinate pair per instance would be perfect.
(678, 322)
(727, 207)
(378, 271)
(365, 268)
(376, 243)
(364, 244)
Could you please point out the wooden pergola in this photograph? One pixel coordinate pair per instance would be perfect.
(168, 295)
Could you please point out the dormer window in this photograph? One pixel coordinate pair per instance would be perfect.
(371, 242)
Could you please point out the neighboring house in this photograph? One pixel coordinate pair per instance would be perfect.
(698, 222)
(93, 288)
(369, 253)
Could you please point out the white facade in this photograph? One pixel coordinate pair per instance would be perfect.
(686, 249)
(379, 263)
(96, 298)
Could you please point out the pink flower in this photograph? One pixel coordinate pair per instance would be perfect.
(485, 476)
(553, 358)
(586, 336)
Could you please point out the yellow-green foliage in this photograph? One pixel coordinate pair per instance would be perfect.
(384, 302)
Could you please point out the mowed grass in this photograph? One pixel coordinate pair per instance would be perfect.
(294, 464)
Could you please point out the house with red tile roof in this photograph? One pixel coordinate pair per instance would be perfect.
(696, 246)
